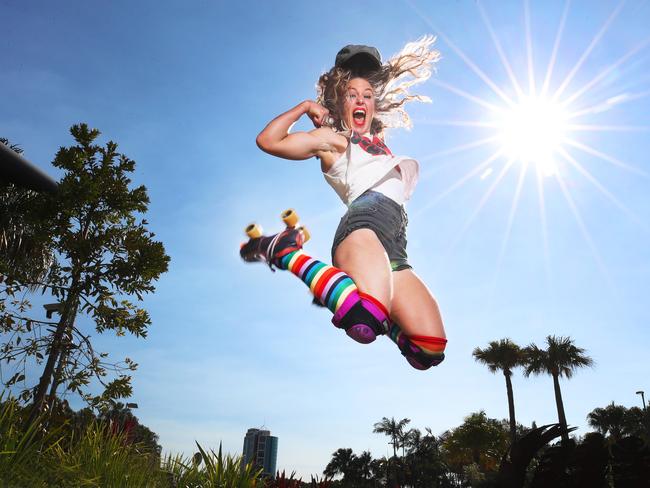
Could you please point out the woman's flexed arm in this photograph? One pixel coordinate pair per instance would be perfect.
(276, 140)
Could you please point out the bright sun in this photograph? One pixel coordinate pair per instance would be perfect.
(538, 123)
(532, 131)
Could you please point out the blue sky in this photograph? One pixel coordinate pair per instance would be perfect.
(184, 88)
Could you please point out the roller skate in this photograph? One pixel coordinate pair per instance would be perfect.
(271, 249)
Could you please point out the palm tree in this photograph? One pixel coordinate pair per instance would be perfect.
(425, 460)
(617, 421)
(609, 420)
(503, 355)
(342, 462)
(392, 428)
(363, 468)
(561, 358)
(412, 440)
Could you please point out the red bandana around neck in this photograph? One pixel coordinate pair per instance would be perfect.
(375, 146)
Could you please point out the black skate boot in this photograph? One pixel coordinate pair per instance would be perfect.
(273, 248)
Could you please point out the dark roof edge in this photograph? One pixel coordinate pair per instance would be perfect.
(17, 170)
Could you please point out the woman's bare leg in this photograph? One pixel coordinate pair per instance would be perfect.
(364, 259)
(413, 306)
(417, 327)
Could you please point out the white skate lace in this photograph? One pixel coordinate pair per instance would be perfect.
(271, 251)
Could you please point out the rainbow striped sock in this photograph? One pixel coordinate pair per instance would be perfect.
(330, 285)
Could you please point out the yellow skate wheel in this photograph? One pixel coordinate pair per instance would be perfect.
(253, 231)
(290, 217)
(305, 233)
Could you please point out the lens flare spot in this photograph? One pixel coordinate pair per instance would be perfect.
(486, 173)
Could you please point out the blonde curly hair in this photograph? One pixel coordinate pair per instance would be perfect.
(390, 83)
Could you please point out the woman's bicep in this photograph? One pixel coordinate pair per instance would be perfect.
(296, 146)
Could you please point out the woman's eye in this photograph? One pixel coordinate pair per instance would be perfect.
(351, 96)
(368, 97)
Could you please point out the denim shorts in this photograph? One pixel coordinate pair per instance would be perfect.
(385, 217)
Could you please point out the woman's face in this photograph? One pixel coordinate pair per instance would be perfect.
(359, 105)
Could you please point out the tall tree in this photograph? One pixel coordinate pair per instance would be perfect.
(426, 466)
(343, 463)
(561, 358)
(395, 430)
(412, 440)
(105, 257)
(392, 428)
(637, 423)
(617, 421)
(503, 355)
(362, 468)
(609, 420)
(479, 440)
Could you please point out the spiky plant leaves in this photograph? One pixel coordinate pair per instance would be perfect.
(210, 470)
(21, 445)
(99, 457)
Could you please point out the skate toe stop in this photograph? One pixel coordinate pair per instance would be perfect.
(289, 217)
(253, 231)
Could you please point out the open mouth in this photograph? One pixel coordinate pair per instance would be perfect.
(359, 116)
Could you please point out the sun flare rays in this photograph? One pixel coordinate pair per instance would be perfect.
(537, 124)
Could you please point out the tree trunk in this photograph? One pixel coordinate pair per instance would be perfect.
(56, 379)
(44, 382)
(560, 408)
(68, 316)
(511, 408)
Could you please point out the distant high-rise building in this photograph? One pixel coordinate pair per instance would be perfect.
(261, 448)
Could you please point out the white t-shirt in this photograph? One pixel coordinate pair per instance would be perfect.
(357, 170)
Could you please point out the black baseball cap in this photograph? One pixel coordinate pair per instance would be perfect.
(358, 58)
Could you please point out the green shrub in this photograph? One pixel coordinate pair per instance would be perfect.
(209, 470)
(99, 457)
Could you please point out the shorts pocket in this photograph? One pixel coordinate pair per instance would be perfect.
(363, 208)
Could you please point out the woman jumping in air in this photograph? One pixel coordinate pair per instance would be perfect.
(371, 289)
